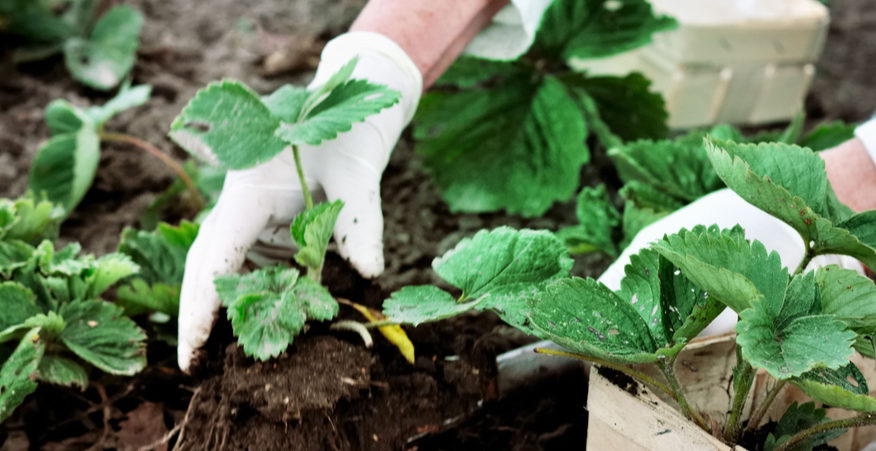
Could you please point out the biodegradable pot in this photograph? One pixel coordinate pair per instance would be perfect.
(637, 417)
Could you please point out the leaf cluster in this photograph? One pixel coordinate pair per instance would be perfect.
(98, 53)
(52, 309)
(227, 123)
(664, 175)
(528, 120)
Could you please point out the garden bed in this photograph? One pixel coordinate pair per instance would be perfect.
(328, 391)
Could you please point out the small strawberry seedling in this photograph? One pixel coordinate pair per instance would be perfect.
(65, 165)
(228, 124)
(98, 53)
(800, 327)
(52, 308)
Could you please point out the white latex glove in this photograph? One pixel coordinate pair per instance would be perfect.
(726, 209)
(262, 201)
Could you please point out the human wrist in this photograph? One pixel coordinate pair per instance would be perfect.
(851, 171)
(381, 61)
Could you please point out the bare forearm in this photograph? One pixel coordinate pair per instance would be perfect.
(432, 32)
(852, 174)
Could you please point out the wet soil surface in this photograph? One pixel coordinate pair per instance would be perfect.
(327, 391)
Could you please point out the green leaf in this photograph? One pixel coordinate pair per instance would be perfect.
(626, 105)
(516, 146)
(727, 266)
(269, 307)
(34, 20)
(337, 79)
(506, 265)
(227, 123)
(679, 167)
(139, 297)
(347, 104)
(795, 419)
(286, 102)
(790, 183)
(598, 218)
(848, 296)
(470, 71)
(863, 227)
(311, 230)
(641, 287)
(103, 60)
(843, 387)
(584, 316)
(18, 304)
(17, 376)
(125, 99)
(828, 135)
(28, 219)
(99, 333)
(596, 29)
(62, 371)
(792, 337)
(160, 254)
(106, 271)
(64, 166)
(415, 305)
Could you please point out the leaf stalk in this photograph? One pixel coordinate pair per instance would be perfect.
(168, 161)
(667, 366)
(864, 419)
(305, 191)
(743, 379)
(762, 409)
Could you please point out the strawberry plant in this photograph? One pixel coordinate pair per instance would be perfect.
(229, 124)
(662, 176)
(53, 310)
(98, 53)
(528, 120)
(800, 327)
(65, 165)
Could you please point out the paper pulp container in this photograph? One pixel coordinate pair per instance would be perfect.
(730, 61)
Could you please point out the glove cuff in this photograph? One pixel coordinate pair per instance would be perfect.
(381, 61)
(866, 132)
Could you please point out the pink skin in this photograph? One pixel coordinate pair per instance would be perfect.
(432, 32)
(852, 174)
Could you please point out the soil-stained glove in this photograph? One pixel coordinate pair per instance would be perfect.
(262, 201)
(726, 209)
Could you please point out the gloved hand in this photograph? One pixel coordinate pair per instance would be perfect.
(261, 202)
(726, 209)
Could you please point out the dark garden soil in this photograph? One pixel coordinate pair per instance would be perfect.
(328, 391)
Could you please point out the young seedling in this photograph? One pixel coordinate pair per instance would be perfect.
(65, 165)
(800, 327)
(99, 54)
(511, 135)
(52, 308)
(228, 124)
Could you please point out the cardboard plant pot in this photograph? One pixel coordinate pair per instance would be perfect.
(636, 417)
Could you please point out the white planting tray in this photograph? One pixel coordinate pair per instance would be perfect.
(729, 61)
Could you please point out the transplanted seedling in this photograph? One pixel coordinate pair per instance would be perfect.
(800, 327)
(229, 124)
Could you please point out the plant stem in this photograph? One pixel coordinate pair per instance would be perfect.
(642, 377)
(865, 419)
(668, 368)
(807, 257)
(308, 199)
(762, 409)
(743, 377)
(157, 153)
